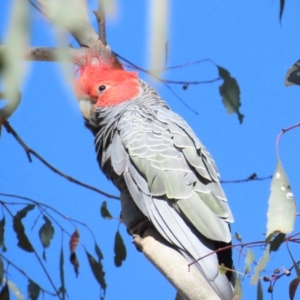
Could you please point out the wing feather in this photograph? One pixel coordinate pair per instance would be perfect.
(174, 182)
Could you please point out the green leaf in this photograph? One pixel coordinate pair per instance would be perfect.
(249, 260)
(15, 290)
(119, 249)
(46, 234)
(292, 76)
(105, 212)
(238, 237)
(1, 270)
(282, 207)
(97, 269)
(293, 287)
(260, 266)
(33, 290)
(70, 19)
(158, 32)
(2, 230)
(230, 93)
(238, 292)
(98, 252)
(259, 292)
(277, 241)
(23, 241)
(62, 288)
(4, 294)
(16, 41)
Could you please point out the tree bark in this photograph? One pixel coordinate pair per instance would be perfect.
(189, 283)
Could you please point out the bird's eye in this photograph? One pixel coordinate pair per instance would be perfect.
(101, 88)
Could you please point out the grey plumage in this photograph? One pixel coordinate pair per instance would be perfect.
(166, 175)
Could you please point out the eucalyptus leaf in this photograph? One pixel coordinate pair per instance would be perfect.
(259, 293)
(104, 211)
(98, 252)
(238, 291)
(260, 266)
(282, 206)
(97, 270)
(4, 293)
(277, 241)
(1, 270)
(292, 76)
(119, 249)
(2, 230)
(249, 260)
(62, 274)
(293, 286)
(13, 70)
(230, 93)
(46, 234)
(15, 290)
(23, 241)
(282, 4)
(33, 290)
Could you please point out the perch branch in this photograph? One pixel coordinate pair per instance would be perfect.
(188, 282)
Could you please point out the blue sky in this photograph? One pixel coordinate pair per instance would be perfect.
(246, 39)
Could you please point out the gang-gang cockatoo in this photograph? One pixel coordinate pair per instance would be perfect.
(165, 175)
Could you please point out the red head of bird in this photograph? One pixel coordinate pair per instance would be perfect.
(103, 83)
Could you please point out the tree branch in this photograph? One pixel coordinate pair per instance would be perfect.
(100, 16)
(189, 283)
(252, 177)
(30, 151)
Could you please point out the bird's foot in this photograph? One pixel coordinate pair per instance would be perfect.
(137, 242)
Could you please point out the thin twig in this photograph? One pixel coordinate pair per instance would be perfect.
(36, 7)
(228, 247)
(24, 274)
(283, 131)
(47, 274)
(252, 177)
(181, 82)
(30, 152)
(100, 16)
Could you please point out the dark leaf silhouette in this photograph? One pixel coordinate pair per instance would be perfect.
(98, 252)
(62, 288)
(293, 287)
(120, 250)
(2, 230)
(259, 294)
(4, 294)
(97, 269)
(23, 241)
(104, 211)
(282, 3)
(1, 270)
(292, 76)
(46, 234)
(277, 241)
(230, 93)
(33, 290)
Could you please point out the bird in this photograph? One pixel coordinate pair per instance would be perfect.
(166, 177)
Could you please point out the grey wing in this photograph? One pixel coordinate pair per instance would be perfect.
(174, 182)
